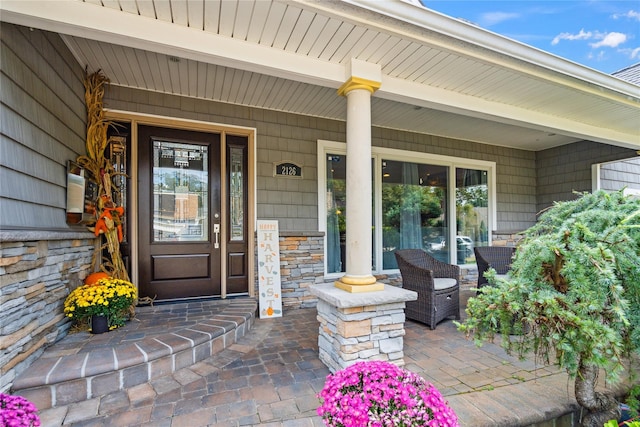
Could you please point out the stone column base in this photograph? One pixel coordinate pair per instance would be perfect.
(361, 326)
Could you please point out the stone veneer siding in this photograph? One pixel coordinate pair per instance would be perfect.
(506, 238)
(360, 333)
(301, 265)
(361, 325)
(37, 272)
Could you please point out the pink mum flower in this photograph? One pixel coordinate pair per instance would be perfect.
(381, 394)
(16, 411)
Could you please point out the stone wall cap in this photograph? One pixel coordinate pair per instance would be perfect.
(343, 299)
(36, 235)
(289, 233)
(284, 233)
(501, 232)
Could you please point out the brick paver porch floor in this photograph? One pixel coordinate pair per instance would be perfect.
(270, 377)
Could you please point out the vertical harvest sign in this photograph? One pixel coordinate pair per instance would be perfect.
(269, 269)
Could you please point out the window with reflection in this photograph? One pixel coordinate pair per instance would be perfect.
(472, 212)
(336, 196)
(336, 169)
(414, 214)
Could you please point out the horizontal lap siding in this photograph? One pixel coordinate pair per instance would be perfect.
(43, 120)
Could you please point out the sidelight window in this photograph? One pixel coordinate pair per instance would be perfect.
(236, 192)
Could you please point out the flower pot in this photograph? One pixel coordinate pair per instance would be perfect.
(99, 324)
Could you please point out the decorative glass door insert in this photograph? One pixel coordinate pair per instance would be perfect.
(236, 193)
(180, 192)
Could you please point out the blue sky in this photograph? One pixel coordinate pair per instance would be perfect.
(600, 34)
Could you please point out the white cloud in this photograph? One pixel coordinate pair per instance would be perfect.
(582, 35)
(597, 56)
(491, 18)
(612, 39)
(631, 53)
(632, 14)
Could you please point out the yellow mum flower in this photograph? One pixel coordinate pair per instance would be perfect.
(110, 296)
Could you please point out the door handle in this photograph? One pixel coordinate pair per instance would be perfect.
(216, 234)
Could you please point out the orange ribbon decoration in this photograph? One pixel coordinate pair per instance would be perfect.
(101, 223)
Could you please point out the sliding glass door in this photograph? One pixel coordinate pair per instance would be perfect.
(414, 209)
(436, 203)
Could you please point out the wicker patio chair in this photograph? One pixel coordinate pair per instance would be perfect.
(437, 285)
(496, 257)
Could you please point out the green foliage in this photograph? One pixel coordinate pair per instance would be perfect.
(397, 199)
(475, 195)
(614, 423)
(574, 290)
(632, 399)
(468, 222)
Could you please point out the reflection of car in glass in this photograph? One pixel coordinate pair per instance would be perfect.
(464, 241)
(461, 241)
(437, 246)
(465, 247)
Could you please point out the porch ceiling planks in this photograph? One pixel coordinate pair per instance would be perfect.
(288, 55)
(128, 6)
(145, 8)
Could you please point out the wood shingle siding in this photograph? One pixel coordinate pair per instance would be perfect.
(563, 170)
(625, 173)
(285, 136)
(43, 125)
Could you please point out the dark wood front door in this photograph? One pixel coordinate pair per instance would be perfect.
(179, 213)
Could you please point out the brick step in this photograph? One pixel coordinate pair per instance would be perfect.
(72, 378)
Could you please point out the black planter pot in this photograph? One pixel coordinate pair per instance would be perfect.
(99, 324)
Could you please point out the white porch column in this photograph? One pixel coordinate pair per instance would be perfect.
(360, 324)
(365, 79)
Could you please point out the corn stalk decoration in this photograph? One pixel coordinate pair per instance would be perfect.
(108, 221)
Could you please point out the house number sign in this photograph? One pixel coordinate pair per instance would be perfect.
(287, 170)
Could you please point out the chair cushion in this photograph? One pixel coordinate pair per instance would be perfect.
(502, 276)
(443, 283)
